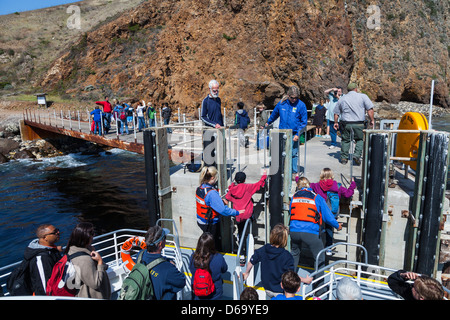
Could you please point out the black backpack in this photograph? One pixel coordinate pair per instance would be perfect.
(19, 281)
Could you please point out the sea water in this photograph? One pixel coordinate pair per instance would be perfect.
(107, 190)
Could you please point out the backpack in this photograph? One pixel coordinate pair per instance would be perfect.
(203, 284)
(138, 285)
(242, 120)
(122, 115)
(333, 201)
(62, 281)
(19, 282)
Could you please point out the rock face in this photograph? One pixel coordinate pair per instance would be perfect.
(167, 51)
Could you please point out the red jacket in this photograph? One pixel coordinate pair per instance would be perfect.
(106, 106)
(241, 197)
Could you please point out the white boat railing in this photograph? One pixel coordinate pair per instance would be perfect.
(238, 283)
(109, 245)
(372, 279)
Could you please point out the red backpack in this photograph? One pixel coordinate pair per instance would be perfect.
(62, 281)
(203, 284)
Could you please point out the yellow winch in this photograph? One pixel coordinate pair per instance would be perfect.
(408, 143)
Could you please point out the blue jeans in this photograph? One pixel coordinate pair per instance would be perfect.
(97, 127)
(151, 122)
(294, 156)
(166, 121)
(141, 122)
(107, 121)
(333, 134)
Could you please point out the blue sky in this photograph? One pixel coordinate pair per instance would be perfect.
(11, 6)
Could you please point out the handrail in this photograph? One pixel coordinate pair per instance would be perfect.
(242, 239)
(316, 264)
(331, 272)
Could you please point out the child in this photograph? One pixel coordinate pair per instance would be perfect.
(242, 120)
(290, 282)
(97, 120)
(210, 205)
(328, 184)
(249, 293)
(275, 260)
(240, 194)
(207, 257)
(319, 117)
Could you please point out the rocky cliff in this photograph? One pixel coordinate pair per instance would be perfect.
(167, 51)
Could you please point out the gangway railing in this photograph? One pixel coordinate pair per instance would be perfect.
(372, 280)
(238, 282)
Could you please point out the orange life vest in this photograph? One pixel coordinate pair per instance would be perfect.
(303, 207)
(203, 210)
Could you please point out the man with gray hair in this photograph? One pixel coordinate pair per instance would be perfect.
(347, 289)
(211, 112)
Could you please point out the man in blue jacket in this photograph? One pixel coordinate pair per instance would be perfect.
(293, 115)
(166, 278)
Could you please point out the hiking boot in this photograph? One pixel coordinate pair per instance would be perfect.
(357, 161)
(344, 161)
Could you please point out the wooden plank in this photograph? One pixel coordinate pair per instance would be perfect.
(163, 165)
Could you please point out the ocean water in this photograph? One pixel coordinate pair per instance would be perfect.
(107, 190)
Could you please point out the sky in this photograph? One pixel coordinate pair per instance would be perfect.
(11, 6)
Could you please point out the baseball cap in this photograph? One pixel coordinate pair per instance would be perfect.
(159, 238)
(240, 177)
(351, 86)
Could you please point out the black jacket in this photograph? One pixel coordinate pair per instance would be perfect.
(399, 285)
(42, 259)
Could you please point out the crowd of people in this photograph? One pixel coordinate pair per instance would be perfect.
(312, 217)
(138, 115)
(279, 267)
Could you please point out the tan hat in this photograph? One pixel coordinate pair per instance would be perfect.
(351, 86)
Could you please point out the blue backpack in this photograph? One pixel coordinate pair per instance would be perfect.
(333, 201)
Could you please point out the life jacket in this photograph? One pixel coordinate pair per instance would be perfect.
(203, 210)
(304, 208)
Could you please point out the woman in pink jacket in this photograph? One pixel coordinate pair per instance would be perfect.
(240, 194)
(325, 184)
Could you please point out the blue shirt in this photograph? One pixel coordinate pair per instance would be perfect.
(283, 297)
(311, 227)
(292, 116)
(97, 113)
(166, 278)
(274, 262)
(117, 111)
(212, 111)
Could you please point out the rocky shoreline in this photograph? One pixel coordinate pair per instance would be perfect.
(13, 148)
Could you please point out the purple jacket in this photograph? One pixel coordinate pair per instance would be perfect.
(323, 186)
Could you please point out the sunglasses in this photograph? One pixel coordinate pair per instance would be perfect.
(56, 231)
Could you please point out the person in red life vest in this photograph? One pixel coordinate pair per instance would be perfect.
(240, 194)
(107, 110)
(210, 205)
(308, 211)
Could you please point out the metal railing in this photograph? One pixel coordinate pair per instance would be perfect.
(370, 278)
(109, 246)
